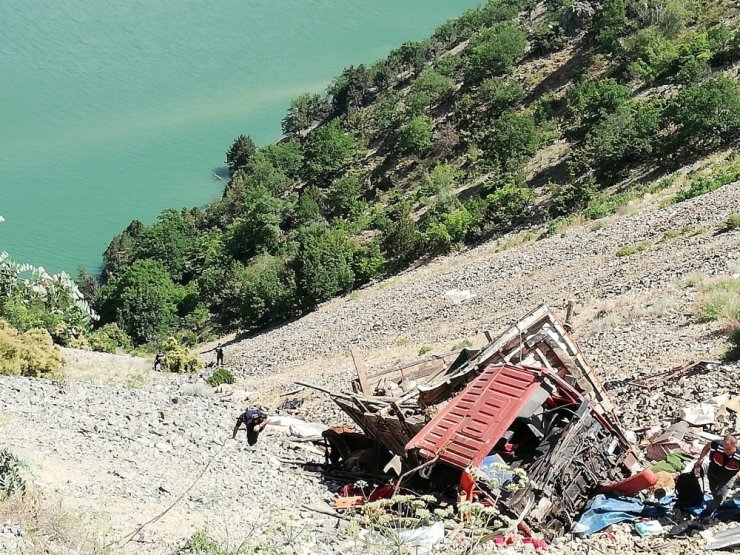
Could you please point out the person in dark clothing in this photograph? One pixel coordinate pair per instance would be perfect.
(724, 464)
(158, 360)
(219, 354)
(255, 421)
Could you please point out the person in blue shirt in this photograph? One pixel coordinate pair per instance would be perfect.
(255, 421)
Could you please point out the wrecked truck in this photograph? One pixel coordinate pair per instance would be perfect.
(528, 400)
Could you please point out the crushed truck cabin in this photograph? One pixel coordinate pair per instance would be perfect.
(527, 406)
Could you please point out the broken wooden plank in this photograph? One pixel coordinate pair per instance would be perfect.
(361, 374)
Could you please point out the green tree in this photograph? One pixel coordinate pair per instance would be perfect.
(240, 153)
(262, 171)
(327, 149)
(349, 91)
(630, 134)
(415, 137)
(432, 86)
(305, 111)
(169, 241)
(143, 301)
(494, 51)
(120, 250)
(258, 227)
(343, 195)
(323, 264)
(511, 138)
(507, 203)
(589, 102)
(708, 113)
(609, 24)
(499, 94)
(286, 156)
(261, 292)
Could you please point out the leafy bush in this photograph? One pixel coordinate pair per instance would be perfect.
(548, 37)
(439, 180)
(609, 24)
(323, 264)
(649, 54)
(629, 134)
(499, 94)
(506, 205)
(415, 137)
(402, 240)
(511, 138)
(432, 86)
(708, 113)
(732, 223)
(590, 102)
(177, 358)
(571, 198)
(143, 301)
(221, 376)
(31, 353)
(201, 544)
(343, 196)
(327, 149)
(494, 51)
(719, 300)
(260, 292)
(11, 480)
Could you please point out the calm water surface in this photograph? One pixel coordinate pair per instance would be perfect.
(111, 111)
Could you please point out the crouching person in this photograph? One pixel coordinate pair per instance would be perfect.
(255, 421)
(724, 464)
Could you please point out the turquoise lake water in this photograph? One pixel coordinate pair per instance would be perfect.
(112, 111)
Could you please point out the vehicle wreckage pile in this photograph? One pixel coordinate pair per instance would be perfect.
(523, 424)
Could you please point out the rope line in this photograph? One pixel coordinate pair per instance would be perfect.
(132, 535)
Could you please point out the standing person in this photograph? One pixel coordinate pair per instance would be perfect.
(724, 464)
(255, 421)
(219, 355)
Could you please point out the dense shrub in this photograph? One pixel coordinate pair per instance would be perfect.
(11, 479)
(343, 196)
(590, 102)
(327, 149)
(323, 264)
(258, 228)
(511, 138)
(221, 376)
(499, 94)
(571, 198)
(494, 51)
(708, 113)
(403, 239)
(177, 358)
(260, 292)
(649, 54)
(507, 203)
(628, 135)
(143, 301)
(31, 353)
(609, 24)
(704, 184)
(431, 87)
(415, 137)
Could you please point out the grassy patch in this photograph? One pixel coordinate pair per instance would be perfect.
(424, 349)
(464, 344)
(633, 249)
(719, 300)
(402, 342)
(220, 376)
(605, 204)
(135, 381)
(732, 223)
(703, 184)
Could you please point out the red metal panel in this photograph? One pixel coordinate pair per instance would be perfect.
(466, 430)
